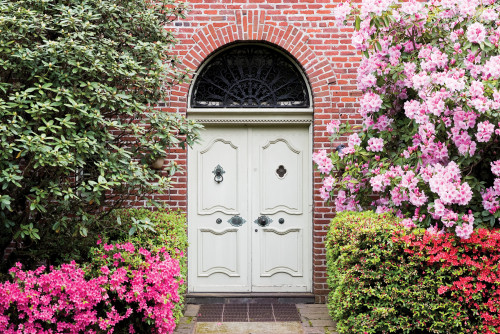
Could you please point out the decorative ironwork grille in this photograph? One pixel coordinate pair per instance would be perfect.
(250, 76)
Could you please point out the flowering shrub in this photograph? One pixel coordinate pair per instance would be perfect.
(429, 147)
(468, 271)
(387, 279)
(376, 287)
(130, 290)
(168, 233)
(133, 283)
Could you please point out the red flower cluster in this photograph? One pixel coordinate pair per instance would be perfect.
(469, 269)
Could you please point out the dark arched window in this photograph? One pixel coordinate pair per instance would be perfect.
(250, 76)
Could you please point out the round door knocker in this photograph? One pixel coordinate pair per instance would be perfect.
(218, 171)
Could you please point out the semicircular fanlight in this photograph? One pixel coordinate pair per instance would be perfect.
(250, 76)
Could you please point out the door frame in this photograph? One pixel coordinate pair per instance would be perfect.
(268, 118)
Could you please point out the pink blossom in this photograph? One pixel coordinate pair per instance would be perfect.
(333, 127)
(464, 231)
(417, 197)
(370, 103)
(340, 12)
(375, 144)
(354, 140)
(476, 88)
(491, 69)
(476, 33)
(408, 223)
(323, 161)
(324, 193)
(485, 130)
(328, 183)
(495, 167)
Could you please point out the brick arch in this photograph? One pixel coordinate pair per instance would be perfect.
(208, 39)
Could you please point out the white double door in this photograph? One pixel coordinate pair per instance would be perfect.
(249, 210)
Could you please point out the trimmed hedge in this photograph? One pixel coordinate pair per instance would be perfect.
(387, 279)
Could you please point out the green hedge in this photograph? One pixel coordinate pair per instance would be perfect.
(377, 287)
(169, 231)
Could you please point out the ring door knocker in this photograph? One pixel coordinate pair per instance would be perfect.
(218, 171)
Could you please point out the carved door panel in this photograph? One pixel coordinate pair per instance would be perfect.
(236, 176)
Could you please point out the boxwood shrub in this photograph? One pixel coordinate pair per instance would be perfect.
(387, 279)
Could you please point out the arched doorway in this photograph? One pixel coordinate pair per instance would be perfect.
(250, 178)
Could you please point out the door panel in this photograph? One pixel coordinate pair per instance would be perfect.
(281, 180)
(272, 259)
(219, 197)
(218, 252)
(267, 173)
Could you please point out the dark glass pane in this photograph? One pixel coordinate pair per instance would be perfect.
(250, 76)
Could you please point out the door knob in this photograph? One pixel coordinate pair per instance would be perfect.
(263, 221)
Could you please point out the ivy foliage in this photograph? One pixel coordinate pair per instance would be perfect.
(77, 130)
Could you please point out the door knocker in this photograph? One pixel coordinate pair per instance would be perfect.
(218, 171)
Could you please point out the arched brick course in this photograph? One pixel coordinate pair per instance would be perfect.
(208, 39)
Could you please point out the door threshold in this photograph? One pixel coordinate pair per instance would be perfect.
(249, 298)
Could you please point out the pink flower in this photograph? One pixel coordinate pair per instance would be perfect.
(323, 161)
(476, 89)
(324, 193)
(408, 223)
(464, 231)
(354, 140)
(476, 33)
(375, 144)
(370, 103)
(495, 167)
(328, 183)
(340, 12)
(485, 130)
(333, 127)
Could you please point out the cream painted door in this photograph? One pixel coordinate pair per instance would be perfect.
(250, 228)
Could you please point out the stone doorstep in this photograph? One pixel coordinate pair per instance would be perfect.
(289, 327)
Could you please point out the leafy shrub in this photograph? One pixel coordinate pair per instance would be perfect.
(430, 140)
(377, 287)
(78, 131)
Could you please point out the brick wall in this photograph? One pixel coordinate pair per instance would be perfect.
(306, 30)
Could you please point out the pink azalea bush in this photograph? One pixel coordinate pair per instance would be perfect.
(124, 289)
(428, 149)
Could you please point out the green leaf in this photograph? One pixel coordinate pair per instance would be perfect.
(357, 23)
